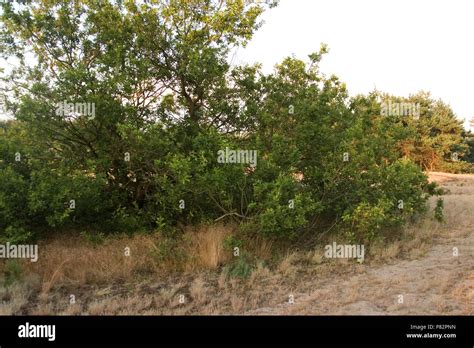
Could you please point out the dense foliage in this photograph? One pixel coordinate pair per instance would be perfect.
(166, 102)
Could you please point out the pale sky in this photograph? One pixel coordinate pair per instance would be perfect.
(397, 46)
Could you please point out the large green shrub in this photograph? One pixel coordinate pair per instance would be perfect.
(166, 101)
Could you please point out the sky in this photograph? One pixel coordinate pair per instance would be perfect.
(395, 46)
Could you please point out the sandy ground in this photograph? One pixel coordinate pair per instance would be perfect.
(436, 283)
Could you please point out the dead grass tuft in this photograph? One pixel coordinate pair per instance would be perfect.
(207, 246)
(198, 290)
(13, 299)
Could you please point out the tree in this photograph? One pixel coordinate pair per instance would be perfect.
(433, 134)
(127, 105)
(143, 67)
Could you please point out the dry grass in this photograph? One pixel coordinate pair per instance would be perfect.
(198, 290)
(159, 270)
(97, 272)
(286, 266)
(70, 260)
(464, 292)
(13, 299)
(207, 247)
